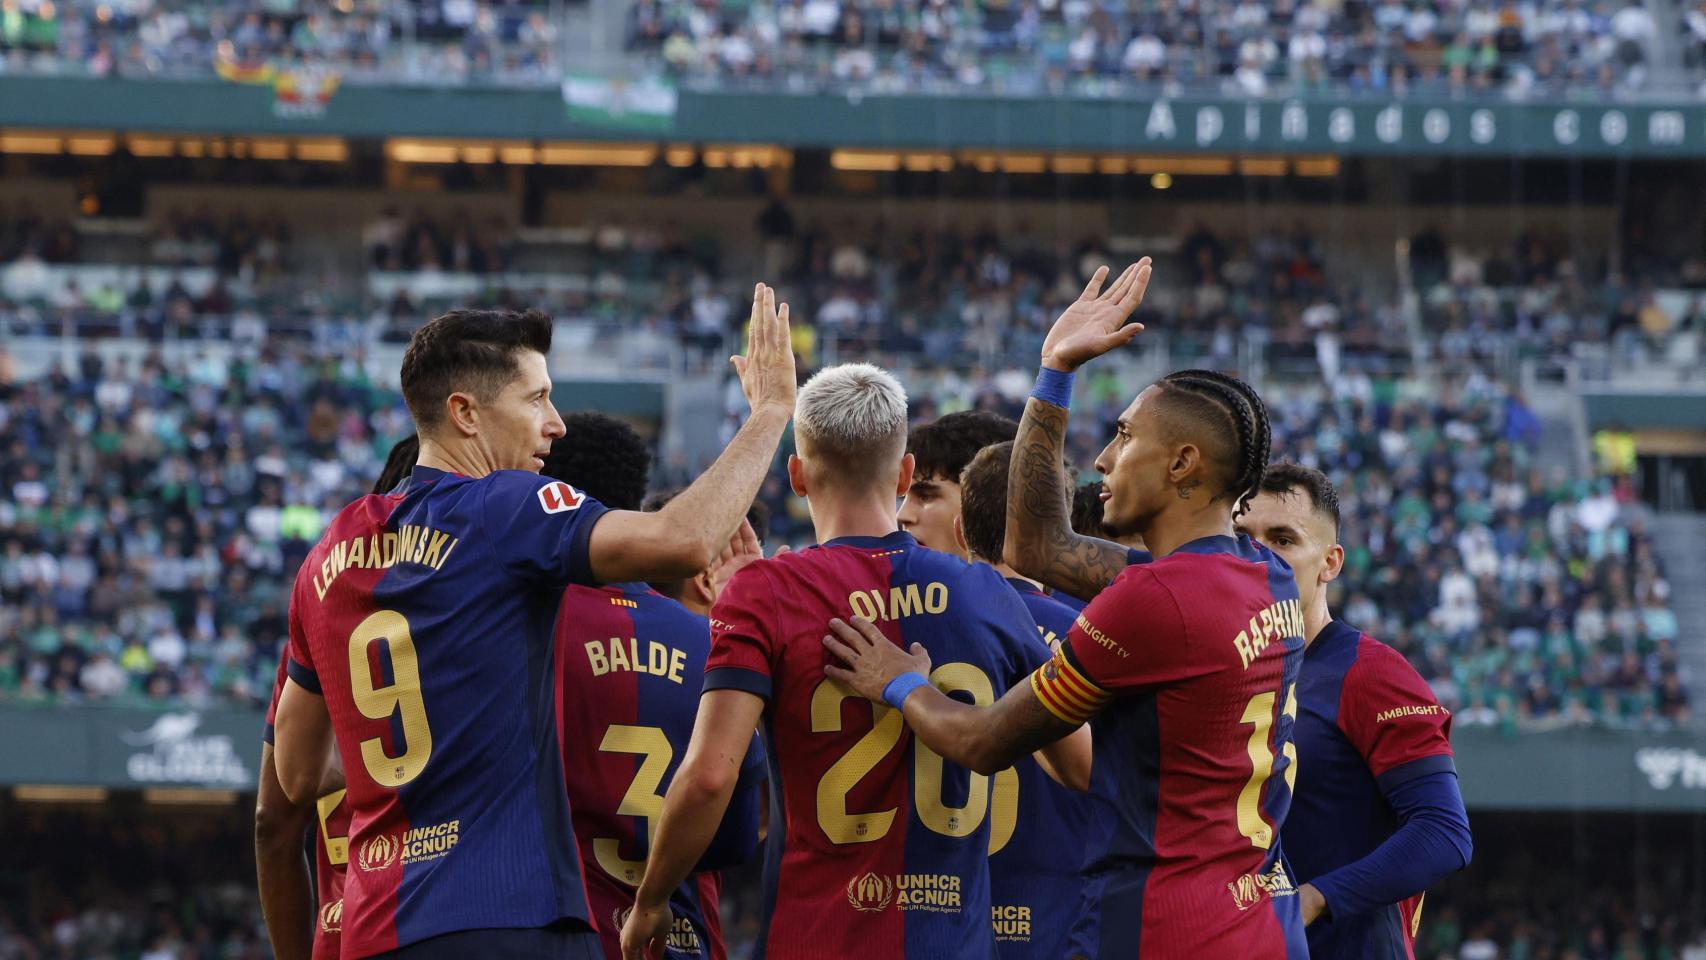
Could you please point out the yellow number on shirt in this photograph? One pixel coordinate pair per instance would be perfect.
(400, 697)
(1259, 712)
(838, 823)
(842, 826)
(1003, 810)
(642, 798)
(337, 848)
(928, 767)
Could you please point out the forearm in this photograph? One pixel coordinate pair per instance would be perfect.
(1432, 842)
(709, 511)
(281, 868)
(287, 897)
(984, 739)
(1040, 541)
(692, 814)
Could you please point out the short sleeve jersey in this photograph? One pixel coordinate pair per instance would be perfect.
(1188, 666)
(425, 618)
(879, 847)
(331, 846)
(1367, 723)
(630, 664)
(1036, 847)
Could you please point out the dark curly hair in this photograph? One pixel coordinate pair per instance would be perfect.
(602, 457)
(943, 449)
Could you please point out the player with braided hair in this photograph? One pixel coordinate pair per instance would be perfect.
(1235, 400)
(1185, 666)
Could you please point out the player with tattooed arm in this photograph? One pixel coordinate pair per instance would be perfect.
(1185, 666)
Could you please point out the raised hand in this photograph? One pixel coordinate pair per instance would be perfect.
(869, 660)
(767, 370)
(1096, 322)
(743, 549)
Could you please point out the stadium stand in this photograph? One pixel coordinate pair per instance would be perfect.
(154, 513)
(1246, 47)
(1389, 47)
(442, 42)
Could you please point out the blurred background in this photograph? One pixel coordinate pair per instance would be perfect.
(1460, 246)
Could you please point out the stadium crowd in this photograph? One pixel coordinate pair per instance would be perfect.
(962, 298)
(436, 41)
(1384, 47)
(152, 515)
(1246, 47)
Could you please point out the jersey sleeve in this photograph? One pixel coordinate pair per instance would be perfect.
(1016, 625)
(1131, 638)
(1389, 713)
(540, 528)
(298, 656)
(742, 644)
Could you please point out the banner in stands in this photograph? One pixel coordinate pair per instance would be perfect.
(131, 748)
(645, 105)
(601, 108)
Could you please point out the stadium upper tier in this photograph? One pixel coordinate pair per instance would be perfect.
(1547, 48)
(954, 298)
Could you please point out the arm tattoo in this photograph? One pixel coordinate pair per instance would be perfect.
(1041, 542)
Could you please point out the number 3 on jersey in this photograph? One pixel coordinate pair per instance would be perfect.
(641, 798)
(1259, 712)
(389, 630)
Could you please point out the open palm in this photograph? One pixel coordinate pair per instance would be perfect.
(1096, 322)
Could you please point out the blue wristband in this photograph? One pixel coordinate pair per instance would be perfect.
(900, 687)
(1054, 386)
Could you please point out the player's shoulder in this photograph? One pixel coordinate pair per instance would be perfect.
(521, 485)
(666, 608)
(1042, 605)
(1378, 666)
(1378, 657)
(922, 561)
(359, 517)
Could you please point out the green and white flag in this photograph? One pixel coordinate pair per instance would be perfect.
(647, 104)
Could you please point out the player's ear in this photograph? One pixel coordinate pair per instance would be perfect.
(960, 535)
(704, 588)
(1335, 564)
(462, 413)
(907, 465)
(797, 475)
(1186, 463)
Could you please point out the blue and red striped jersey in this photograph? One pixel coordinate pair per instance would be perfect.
(1367, 723)
(331, 845)
(630, 664)
(1188, 665)
(879, 847)
(425, 618)
(1037, 828)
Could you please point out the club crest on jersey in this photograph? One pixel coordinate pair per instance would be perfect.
(559, 497)
(378, 853)
(870, 893)
(1248, 889)
(332, 917)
